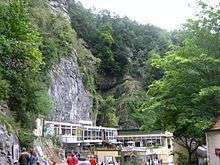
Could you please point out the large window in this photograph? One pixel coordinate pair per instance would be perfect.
(56, 129)
(65, 130)
(73, 132)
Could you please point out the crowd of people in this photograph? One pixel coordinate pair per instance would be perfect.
(28, 157)
(75, 159)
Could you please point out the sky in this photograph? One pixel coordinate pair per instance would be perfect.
(167, 14)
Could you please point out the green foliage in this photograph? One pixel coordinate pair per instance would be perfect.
(122, 45)
(186, 100)
(32, 39)
(88, 65)
(19, 42)
(9, 123)
(20, 56)
(106, 116)
(26, 138)
(4, 87)
(58, 38)
(182, 159)
(123, 48)
(130, 96)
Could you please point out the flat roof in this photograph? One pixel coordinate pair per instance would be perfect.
(79, 125)
(144, 135)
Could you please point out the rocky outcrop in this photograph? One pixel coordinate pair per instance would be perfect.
(60, 6)
(71, 101)
(9, 147)
(9, 144)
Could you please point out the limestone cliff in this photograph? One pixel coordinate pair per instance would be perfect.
(72, 102)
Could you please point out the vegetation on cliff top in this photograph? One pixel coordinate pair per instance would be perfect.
(124, 48)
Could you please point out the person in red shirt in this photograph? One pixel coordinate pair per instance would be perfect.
(75, 159)
(93, 161)
(71, 159)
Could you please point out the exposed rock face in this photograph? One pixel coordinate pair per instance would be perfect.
(9, 147)
(9, 144)
(71, 101)
(60, 6)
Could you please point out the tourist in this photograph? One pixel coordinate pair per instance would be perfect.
(72, 159)
(75, 159)
(92, 160)
(33, 158)
(24, 158)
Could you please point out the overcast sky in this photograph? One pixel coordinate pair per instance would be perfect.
(168, 14)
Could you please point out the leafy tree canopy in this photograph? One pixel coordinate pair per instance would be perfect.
(186, 100)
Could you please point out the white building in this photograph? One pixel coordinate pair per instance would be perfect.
(148, 146)
(145, 147)
(70, 133)
(213, 144)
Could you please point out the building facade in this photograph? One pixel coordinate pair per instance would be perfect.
(111, 144)
(213, 144)
(147, 148)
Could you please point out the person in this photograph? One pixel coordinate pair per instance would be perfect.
(24, 157)
(71, 159)
(75, 159)
(92, 160)
(33, 158)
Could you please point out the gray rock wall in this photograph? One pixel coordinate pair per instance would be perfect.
(60, 6)
(9, 144)
(9, 147)
(71, 101)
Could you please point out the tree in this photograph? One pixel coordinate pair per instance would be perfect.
(106, 116)
(21, 61)
(122, 45)
(186, 100)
